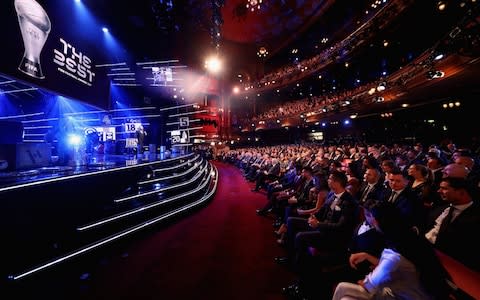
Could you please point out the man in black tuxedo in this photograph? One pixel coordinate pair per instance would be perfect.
(329, 270)
(455, 225)
(373, 187)
(329, 229)
(405, 200)
(140, 134)
(271, 174)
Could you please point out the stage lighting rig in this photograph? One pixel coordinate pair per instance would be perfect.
(217, 22)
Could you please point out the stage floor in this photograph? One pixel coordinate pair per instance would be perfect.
(89, 164)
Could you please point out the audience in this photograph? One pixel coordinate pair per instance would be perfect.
(317, 209)
(407, 268)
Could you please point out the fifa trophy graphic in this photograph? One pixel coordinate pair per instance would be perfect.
(35, 27)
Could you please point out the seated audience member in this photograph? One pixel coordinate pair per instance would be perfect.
(405, 200)
(286, 181)
(328, 271)
(408, 267)
(329, 229)
(457, 223)
(282, 189)
(302, 196)
(454, 170)
(269, 174)
(473, 169)
(373, 187)
(387, 167)
(353, 186)
(320, 194)
(421, 185)
(435, 164)
(294, 198)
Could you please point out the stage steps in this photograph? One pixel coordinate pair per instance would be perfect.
(48, 223)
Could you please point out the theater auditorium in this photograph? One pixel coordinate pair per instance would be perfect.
(239, 149)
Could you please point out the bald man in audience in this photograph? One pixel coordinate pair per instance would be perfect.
(466, 161)
(455, 170)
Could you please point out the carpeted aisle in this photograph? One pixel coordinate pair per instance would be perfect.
(223, 251)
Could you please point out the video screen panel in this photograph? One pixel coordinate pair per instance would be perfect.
(55, 45)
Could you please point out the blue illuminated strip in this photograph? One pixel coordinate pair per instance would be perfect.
(37, 127)
(126, 84)
(111, 65)
(157, 62)
(87, 120)
(22, 116)
(85, 112)
(40, 120)
(120, 74)
(121, 234)
(7, 82)
(18, 91)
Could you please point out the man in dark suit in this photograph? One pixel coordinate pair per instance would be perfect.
(405, 200)
(140, 133)
(373, 187)
(330, 229)
(435, 164)
(271, 174)
(456, 224)
(330, 270)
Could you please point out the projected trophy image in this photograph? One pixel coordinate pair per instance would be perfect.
(35, 27)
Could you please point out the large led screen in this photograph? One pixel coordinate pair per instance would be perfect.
(55, 45)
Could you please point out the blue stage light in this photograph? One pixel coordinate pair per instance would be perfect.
(74, 139)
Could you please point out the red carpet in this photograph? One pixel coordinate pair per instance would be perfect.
(223, 251)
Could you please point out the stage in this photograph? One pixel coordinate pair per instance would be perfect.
(52, 214)
(87, 164)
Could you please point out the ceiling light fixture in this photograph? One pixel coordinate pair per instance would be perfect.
(441, 5)
(262, 52)
(435, 74)
(381, 86)
(254, 4)
(213, 64)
